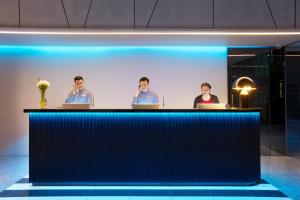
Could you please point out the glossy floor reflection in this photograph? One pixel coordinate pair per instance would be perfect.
(24, 189)
(282, 172)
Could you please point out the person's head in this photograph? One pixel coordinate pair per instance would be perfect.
(205, 88)
(78, 82)
(144, 83)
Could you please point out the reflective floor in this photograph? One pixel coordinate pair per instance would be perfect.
(280, 173)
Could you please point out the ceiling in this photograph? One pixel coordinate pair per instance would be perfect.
(150, 15)
(178, 14)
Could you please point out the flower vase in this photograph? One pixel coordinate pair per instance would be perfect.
(43, 101)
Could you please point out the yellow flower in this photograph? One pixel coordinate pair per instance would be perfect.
(43, 84)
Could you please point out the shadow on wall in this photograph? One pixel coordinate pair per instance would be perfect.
(13, 134)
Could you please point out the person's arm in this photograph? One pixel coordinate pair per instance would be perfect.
(135, 100)
(89, 98)
(136, 97)
(216, 100)
(70, 98)
(195, 102)
(155, 99)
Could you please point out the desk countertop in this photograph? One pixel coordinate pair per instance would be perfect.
(30, 110)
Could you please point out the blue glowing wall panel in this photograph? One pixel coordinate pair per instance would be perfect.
(145, 148)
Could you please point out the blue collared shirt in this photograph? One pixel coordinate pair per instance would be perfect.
(148, 97)
(83, 96)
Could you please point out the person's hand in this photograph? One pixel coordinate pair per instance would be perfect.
(74, 90)
(137, 93)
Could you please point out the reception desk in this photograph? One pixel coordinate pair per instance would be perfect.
(144, 147)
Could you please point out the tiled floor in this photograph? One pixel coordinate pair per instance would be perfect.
(12, 169)
(281, 172)
(23, 189)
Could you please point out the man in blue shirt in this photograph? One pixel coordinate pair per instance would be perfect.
(143, 95)
(79, 94)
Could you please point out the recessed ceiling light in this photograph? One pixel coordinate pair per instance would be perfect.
(150, 32)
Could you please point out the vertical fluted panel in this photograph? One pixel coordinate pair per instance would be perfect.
(163, 148)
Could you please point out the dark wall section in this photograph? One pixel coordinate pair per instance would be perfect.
(277, 119)
(293, 104)
(266, 68)
(277, 92)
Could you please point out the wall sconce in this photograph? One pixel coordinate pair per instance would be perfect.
(244, 85)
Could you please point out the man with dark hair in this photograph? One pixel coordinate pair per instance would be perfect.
(79, 94)
(144, 95)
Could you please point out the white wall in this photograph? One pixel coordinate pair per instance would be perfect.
(111, 74)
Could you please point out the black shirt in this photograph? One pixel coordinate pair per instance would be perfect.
(213, 98)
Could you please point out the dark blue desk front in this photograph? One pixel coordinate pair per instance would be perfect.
(144, 147)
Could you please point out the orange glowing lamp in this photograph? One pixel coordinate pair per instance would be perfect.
(244, 86)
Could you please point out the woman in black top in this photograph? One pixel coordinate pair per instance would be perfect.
(206, 96)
